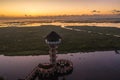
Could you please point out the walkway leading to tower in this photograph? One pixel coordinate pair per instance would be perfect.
(32, 75)
(54, 69)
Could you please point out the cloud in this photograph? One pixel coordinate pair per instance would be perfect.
(116, 11)
(95, 11)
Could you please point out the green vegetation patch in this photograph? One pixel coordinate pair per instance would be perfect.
(30, 40)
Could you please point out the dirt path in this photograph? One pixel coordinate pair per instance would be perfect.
(107, 34)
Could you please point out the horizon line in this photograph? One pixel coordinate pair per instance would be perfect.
(30, 16)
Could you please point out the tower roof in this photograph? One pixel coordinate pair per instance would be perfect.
(53, 36)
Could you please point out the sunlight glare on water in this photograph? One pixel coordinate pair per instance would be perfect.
(22, 23)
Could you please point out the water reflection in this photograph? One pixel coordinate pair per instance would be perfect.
(87, 66)
(32, 24)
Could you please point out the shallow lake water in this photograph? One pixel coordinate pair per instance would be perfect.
(33, 24)
(100, 65)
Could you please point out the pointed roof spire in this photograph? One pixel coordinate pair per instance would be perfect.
(52, 37)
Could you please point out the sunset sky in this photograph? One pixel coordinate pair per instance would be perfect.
(58, 7)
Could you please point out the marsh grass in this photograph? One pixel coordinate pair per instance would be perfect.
(30, 40)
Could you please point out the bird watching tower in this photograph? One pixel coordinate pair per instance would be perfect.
(53, 39)
(54, 69)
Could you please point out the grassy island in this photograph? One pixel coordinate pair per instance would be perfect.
(30, 40)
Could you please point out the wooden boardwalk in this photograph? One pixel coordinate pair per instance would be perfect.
(32, 75)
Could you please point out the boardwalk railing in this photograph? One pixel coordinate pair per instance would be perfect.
(32, 75)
